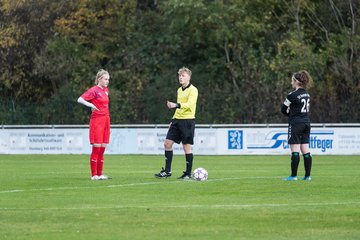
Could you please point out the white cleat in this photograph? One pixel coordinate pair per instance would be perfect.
(95, 177)
(103, 177)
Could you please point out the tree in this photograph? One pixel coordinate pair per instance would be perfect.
(242, 54)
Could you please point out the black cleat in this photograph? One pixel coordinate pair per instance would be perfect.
(162, 174)
(185, 176)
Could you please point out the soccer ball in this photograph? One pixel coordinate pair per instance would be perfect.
(200, 174)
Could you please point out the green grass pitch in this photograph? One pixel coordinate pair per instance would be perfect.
(52, 197)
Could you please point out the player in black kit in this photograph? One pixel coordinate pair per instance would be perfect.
(296, 107)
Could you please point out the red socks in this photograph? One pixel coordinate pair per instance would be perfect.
(100, 162)
(94, 160)
(97, 160)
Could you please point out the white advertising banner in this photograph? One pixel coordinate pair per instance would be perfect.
(44, 141)
(208, 141)
(151, 141)
(263, 141)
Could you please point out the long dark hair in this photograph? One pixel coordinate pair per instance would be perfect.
(303, 77)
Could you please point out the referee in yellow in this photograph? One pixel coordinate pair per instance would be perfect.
(182, 126)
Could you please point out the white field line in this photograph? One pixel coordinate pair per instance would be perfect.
(206, 206)
(162, 181)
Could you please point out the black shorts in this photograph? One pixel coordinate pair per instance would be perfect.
(182, 130)
(299, 133)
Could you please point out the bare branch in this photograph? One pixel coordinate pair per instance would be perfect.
(297, 19)
(228, 60)
(352, 34)
(294, 11)
(317, 22)
(337, 14)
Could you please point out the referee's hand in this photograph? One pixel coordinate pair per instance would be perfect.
(171, 104)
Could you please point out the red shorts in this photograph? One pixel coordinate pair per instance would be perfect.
(99, 131)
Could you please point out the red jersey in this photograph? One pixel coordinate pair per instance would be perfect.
(99, 97)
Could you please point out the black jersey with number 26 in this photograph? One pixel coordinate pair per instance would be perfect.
(299, 103)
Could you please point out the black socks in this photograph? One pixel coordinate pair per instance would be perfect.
(295, 159)
(168, 160)
(189, 162)
(307, 164)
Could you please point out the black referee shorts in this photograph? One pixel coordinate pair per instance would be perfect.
(182, 130)
(299, 133)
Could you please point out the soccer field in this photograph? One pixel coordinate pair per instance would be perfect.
(52, 197)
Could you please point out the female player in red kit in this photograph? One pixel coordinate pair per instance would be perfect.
(99, 132)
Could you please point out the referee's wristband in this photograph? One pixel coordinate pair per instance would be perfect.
(178, 105)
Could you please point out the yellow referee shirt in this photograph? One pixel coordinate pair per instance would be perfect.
(187, 98)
